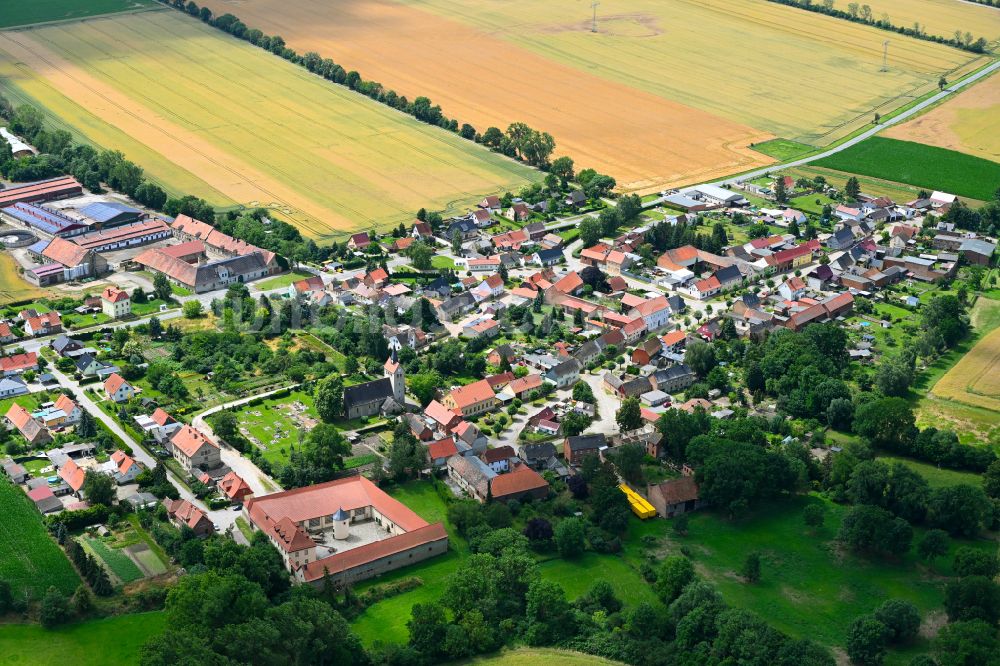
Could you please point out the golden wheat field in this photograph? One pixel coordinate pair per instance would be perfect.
(645, 141)
(975, 380)
(14, 288)
(968, 122)
(664, 92)
(216, 117)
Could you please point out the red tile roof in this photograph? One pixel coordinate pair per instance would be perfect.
(673, 337)
(521, 479)
(65, 403)
(18, 362)
(190, 440)
(442, 448)
(441, 414)
(18, 416)
(374, 551)
(113, 383)
(324, 499)
(47, 320)
(311, 283)
(161, 418)
(652, 306)
(569, 283)
(73, 475)
(114, 295)
(184, 249)
(504, 452)
(234, 487)
(186, 512)
(65, 252)
(472, 394)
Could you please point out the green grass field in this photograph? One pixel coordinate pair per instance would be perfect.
(916, 164)
(29, 558)
(115, 640)
(809, 587)
(26, 12)
(783, 149)
(937, 477)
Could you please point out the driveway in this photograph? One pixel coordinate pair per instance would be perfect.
(260, 482)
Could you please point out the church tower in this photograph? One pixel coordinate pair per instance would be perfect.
(394, 371)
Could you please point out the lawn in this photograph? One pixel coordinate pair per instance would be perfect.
(783, 149)
(274, 424)
(283, 280)
(937, 477)
(237, 125)
(39, 11)
(576, 576)
(150, 307)
(29, 558)
(115, 640)
(812, 204)
(810, 587)
(919, 165)
(440, 261)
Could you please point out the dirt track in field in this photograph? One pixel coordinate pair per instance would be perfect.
(968, 122)
(645, 141)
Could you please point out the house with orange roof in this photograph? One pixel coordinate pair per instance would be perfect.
(444, 418)
(43, 324)
(674, 341)
(347, 530)
(234, 488)
(571, 284)
(306, 286)
(116, 303)
(706, 288)
(183, 513)
(520, 482)
(194, 450)
(117, 389)
(655, 312)
(440, 450)
(73, 476)
(122, 467)
(472, 399)
(67, 406)
(6, 335)
(19, 418)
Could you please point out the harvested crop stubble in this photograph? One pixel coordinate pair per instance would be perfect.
(259, 130)
(975, 380)
(968, 122)
(644, 140)
(793, 73)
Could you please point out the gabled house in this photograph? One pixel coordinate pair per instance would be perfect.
(12, 386)
(117, 389)
(234, 488)
(43, 324)
(123, 468)
(359, 241)
(67, 406)
(193, 450)
(472, 399)
(564, 374)
(655, 313)
(576, 448)
(116, 303)
(675, 496)
(183, 513)
(439, 451)
(65, 345)
(30, 429)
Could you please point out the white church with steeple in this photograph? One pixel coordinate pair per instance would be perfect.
(394, 371)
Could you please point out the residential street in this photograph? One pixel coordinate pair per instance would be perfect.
(222, 518)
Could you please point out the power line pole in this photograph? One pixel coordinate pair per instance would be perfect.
(885, 56)
(593, 25)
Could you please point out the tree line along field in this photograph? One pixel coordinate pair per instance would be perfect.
(645, 141)
(937, 17)
(29, 559)
(969, 122)
(928, 167)
(26, 12)
(254, 129)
